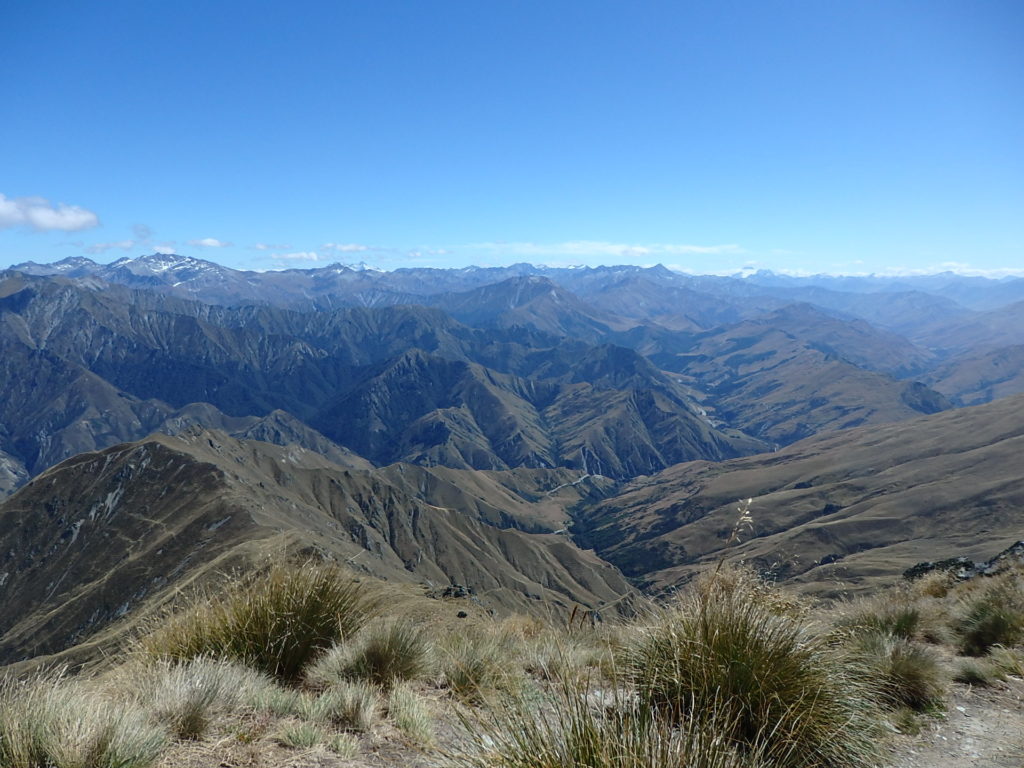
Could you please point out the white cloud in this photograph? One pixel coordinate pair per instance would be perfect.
(602, 248)
(125, 245)
(345, 247)
(299, 256)
(39, 214)
(166, 248)
(959, 268)
(271, 247)
(209, 242)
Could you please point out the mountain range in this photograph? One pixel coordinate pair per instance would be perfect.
(167, 417)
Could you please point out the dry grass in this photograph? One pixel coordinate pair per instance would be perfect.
(735, 673)
(350, 706)
(571, 728)
(53, 722)
(187, 697)
(782, 690)
(276, 622)
(478, 663)
(382, 654)
(411, 715)
(905, 673)
(992, 616)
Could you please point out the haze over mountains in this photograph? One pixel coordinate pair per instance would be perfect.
(453, 426)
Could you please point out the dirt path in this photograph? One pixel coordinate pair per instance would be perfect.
(983, 728)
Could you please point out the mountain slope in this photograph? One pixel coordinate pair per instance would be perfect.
(772, 384)
(104, 535)
(849, 508)
(977, 378)
(391, 384)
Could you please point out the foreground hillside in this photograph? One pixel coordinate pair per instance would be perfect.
(104, 538)
(849, 509)
(302, 665)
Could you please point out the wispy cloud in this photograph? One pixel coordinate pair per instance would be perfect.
(209, 242)
(271, 247)
(125, 245)
(957, 267)
(345, 247)
(164, 248)
(298, 256)
(607, 249)
(40, 215)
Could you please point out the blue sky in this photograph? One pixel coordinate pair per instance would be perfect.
(812, 136)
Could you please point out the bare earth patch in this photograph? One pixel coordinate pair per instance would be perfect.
(983, 728)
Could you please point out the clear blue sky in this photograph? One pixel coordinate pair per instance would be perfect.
(819, 136)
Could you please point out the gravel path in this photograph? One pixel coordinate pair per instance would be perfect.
(983, 728)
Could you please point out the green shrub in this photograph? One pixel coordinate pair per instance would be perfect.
(51, 722)
(573, 730)
(993, 617)
(381, 654)
(906, 674)
(781, 690)
(277, 622)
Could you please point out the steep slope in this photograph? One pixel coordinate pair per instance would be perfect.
(110, 535)
(532, 301)
(853, 340)
(774, 385)
(839, 511)
(54, 409)
(972, 379)
(610, 413)
(984, 330)
(423, 408)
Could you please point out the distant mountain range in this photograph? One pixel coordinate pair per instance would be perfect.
(448, 422)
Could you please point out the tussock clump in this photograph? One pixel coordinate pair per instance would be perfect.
(571, 728)
(557, 655)
(277, 622)
(186, 697)
(977, 672)
(344, 745)
(302, 735)
(782, 690)
(351, 706)
(905, 673)
(1010, 661)
(899, 614)
(936, 584)
(409, 713)
(478, 663)
(993, 616)
(278, 701)
(885, 617)
(381, 654)
(49, 721)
